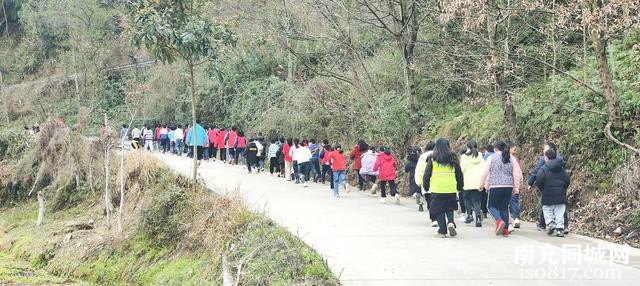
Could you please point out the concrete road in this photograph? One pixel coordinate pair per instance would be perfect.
(368, 243)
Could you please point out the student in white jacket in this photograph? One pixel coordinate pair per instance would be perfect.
(294, 160)
(302, 155)
(420, 167)
(472, 165)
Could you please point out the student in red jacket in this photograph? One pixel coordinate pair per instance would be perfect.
(212, 135)
(356, 156)
(339, 168)
(220, 144)
(241, 146)
(156, 137)
(288, 160)
(232, 139)
(325, 150)
(386, 166)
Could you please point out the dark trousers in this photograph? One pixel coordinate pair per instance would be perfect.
(360, 180)
(543, 224)
(199, 152)
(461, 201)
(472, 200)
(223, 154)
(190, 151)
(499, 199)
(304, 168)
(296, 171)
(443, 219)
(239, 152)
(392, 186)
(251, 164)
(315, 169)
(326, 171)
(484, 202)
(427, 197)
(212, 151)
(205, 153)
(274, 166)
(164, 143)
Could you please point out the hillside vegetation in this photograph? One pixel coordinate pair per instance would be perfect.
(173, 234)
(390, 72)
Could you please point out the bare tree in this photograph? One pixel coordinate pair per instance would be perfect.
(133, 105)
(107, 145)
(41, 208)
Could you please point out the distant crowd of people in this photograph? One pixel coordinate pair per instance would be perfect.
(476, 181)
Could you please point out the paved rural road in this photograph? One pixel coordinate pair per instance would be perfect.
(367, 243)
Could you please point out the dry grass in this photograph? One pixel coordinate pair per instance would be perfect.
(60, 162)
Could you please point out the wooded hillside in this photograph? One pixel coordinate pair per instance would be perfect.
(393, 72)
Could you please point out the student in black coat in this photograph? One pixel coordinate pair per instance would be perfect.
(410, 168)
(552, 181)
(251, 155)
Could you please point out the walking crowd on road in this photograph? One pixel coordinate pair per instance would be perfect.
(477, 181)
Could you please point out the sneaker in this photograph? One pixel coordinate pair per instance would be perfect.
(434, 224)
(383, 200)
(511, 228)
(452, 229)
(505, 232)
(484, 214)
(565, 231)
(468, 220)
(442, 235)
(397, 196)
(499, 227)
(516, 223)
(478, 221)
(305, 184)
(346, 189)
(420, 208)
(463, 218)
(551, 228)
(372, 195)
(560, 232)
(541, 228)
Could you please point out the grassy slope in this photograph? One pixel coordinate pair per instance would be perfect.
(176, 248)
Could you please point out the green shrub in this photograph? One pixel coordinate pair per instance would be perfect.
(162, 216)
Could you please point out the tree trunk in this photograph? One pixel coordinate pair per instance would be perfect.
(509, 111)
(75, 75)
(409, 83)
(194, 175)
(90, 177)
(613, 105)
(107, 193)
(121, 207)
(40, 208)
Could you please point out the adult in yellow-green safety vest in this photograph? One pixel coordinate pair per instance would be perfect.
(443, 176)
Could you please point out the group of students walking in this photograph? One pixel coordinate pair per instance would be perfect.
(210, 142)
(478, 181)
(448, 179)
(475, 180)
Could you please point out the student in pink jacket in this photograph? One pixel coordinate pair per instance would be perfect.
(386, 167)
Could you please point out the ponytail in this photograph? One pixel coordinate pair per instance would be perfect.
(473, 148)
(502, 146)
